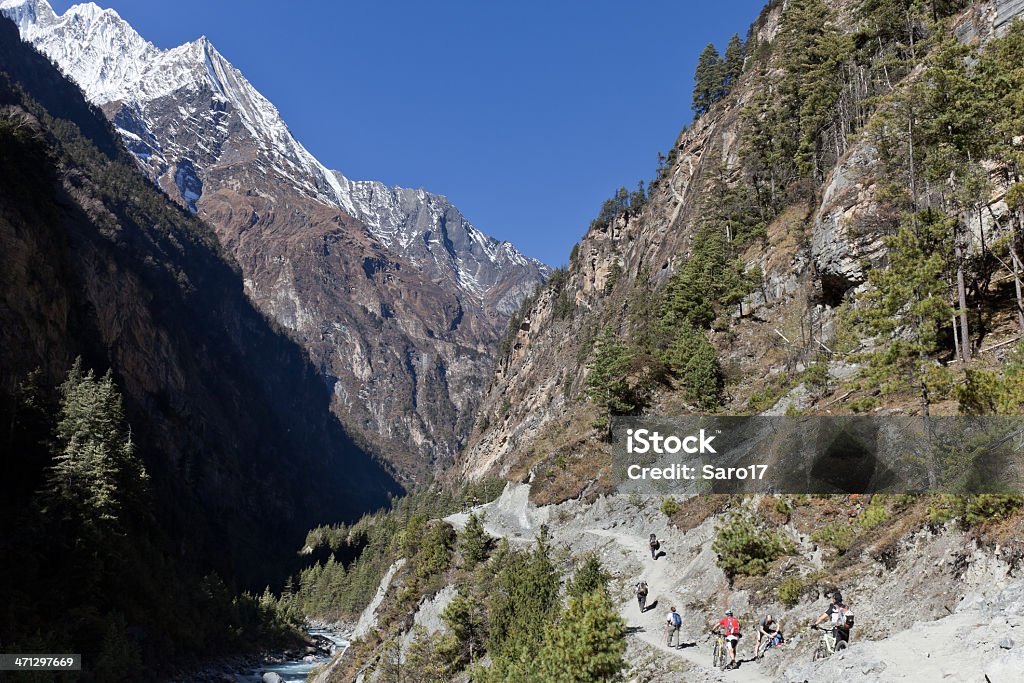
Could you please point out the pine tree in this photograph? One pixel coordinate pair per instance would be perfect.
(909, 305)
(642, 308)
(524, 600)
(474, 543)
(733, 62)
(430, 658)
(692, 360)
(708, 80)
(589, 578)
(467, 621)
(745, 547)
(986, 393)
(608, 384)
(709, 278)
(95, 474)
(587, 645)
(1001, 84)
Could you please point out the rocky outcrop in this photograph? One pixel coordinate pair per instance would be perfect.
(849, 226)
(368, 618)
(397, 297)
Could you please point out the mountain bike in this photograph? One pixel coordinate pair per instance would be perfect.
(718, 652)
(766, 644)
(829, 644)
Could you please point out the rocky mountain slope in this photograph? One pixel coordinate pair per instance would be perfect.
(811, 242)
(398, 298)
(232, 422)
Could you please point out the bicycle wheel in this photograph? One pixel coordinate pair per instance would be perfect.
(718, 657)
(820, 652)
(841, 645)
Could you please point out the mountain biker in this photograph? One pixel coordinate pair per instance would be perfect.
(766, 631)
(841, 617)
(655, 544)
(641, 595)
(673, 624)
(731, 629)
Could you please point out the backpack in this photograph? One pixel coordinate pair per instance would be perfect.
(842, 617)
(732, 627)
(677, 620)
(642, 588)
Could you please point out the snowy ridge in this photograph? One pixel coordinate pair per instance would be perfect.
(114, 65)
(416, 222)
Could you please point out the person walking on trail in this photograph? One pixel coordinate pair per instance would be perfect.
(841, 617)
(641, 595)
(730, 626)
(672, 626)
(655, 545)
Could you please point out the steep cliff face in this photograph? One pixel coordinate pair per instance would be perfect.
(233, 423)
(812, 254)
(397, 296)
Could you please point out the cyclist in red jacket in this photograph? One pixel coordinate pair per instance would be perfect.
(731, 628)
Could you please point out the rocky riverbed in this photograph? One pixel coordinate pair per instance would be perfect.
(290, 666)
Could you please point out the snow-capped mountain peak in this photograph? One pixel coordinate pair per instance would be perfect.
(190, 104)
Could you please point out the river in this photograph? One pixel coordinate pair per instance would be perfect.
(295, 670)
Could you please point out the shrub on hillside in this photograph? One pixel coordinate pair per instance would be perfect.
(839, 535)
(789, 591)
(670, 506)
(973, 510)
(745, 546)
(989, 507)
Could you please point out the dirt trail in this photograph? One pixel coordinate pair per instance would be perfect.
(982, 636)
(627, 555)
(650, 625)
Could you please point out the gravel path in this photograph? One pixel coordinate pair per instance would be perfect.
(649, 626)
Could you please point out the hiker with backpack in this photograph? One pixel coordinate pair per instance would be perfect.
(841, 617)
(641, 596)
(730, 626)
(655, 545)
(672, 626)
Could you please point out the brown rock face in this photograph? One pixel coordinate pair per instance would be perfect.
(398, 299)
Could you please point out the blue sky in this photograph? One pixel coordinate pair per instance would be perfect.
(526, 114)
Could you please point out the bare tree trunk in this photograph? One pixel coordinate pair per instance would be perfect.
(965, 336)
(930, 463)
(961, 288)
(956, 338)
(1016, 283)
(913, 175)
